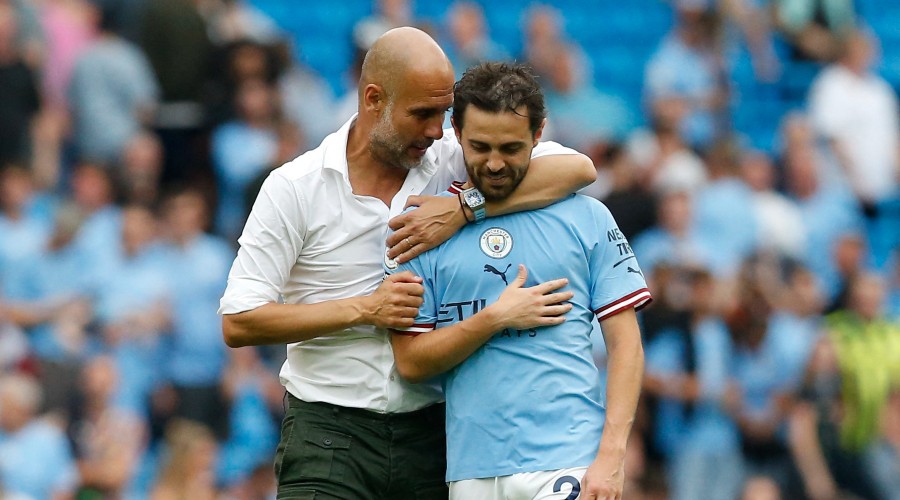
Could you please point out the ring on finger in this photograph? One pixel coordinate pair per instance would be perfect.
(408, 242)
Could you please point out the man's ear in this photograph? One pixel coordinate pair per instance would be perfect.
(539, 131)
(456, 129)
(374, 98)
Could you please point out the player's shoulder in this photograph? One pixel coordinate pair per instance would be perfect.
(584, 204)
(307, 164)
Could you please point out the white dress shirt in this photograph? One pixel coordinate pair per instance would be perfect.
(309, 239)
(860, 112)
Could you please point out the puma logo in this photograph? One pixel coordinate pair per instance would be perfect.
(635, 271)
(491, 269)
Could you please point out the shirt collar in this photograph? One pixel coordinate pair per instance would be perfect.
(336, 153)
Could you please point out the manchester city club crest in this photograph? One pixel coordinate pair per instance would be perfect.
(496, 243)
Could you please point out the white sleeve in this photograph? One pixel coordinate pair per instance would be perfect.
(269, 246)
(826, 111)
(549, 148)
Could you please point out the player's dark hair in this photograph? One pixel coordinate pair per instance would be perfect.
(498, 87)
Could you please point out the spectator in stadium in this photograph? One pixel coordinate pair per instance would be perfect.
(673, 239)
(498, 433)
(663, 160)
(233, 20)
(816, 29)
(620, 189)
(113, 94)
(689, 371)
(827, 207)
(197, 266)
(580, 114)
(35, 457)
(856, 111)
(724, 216)
(20, 99)
(468, 40)
(253, 433)
(188, 470)
(57, 285)
(836, 429)
(107, 441)
(133, 319)
(761, 396)
(692, 43)
(25, 230)
(779, 220)
(174, 36)
(242, 148)
(327, 265)
(543, 35)
(305, 97)
(142, 170)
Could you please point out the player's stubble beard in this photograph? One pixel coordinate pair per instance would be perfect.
(386, 147)
(478, 174)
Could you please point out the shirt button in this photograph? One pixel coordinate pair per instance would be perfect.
(326, 442)
(392, 377)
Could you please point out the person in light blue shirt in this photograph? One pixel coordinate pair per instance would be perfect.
(197, 266)
(525, 413)
(35, 456)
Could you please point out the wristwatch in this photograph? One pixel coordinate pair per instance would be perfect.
(475, 200)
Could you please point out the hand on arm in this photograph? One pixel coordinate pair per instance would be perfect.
(394, 304)
(423, 356)
(605, 477)
(436, 219)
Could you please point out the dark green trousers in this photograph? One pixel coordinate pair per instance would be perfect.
(329, 452)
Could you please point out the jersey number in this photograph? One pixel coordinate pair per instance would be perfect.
(576, 486)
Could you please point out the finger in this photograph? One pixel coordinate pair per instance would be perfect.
(556, 298)
(557, 310)
(409, 287)
(404, 277)
(406, 312)
(402, 322)
(413, 201)
(407, 301)
(549, 286)
(522, 275)
(397, 223)
(396, 239)
(551, 320)
(411, 253)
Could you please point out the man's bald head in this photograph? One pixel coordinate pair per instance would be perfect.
(398, 54)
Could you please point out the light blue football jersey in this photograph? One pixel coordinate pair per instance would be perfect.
(527, 400)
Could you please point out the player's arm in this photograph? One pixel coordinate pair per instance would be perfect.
(393, 305)
(549, 179)
(420, 357)
(272, 240)
(605, 477)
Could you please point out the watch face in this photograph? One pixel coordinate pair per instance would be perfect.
(474, 198)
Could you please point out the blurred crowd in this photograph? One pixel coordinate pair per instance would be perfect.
(134, 135)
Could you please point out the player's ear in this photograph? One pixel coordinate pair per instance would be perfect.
(456, 129)
(374, 99)
(539, 131)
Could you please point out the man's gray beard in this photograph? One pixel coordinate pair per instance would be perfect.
(390, 153)
(385, 148)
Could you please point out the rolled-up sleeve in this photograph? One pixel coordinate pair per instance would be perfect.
(269, 247)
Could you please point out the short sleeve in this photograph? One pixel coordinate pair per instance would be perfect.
(272, 239)
(426, 321)
(550, 148)
(617, 282)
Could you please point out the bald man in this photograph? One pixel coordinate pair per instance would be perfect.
(309, 274)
